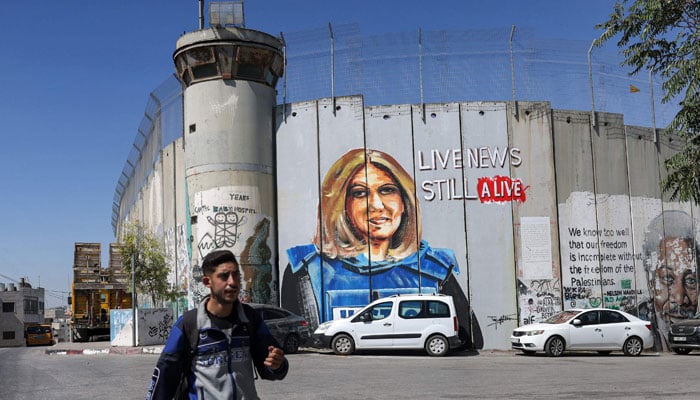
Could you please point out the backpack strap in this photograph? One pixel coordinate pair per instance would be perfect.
(189, 328)
(191, 332)
(248, 315)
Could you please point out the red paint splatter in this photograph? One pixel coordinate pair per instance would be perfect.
(500, 189)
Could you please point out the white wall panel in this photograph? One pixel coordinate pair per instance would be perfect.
(439, 180)
(613, 212)
(297, 175)
(536, 229)
(489, 221)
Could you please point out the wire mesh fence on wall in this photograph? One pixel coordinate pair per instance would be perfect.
(160, 126)
(503, 64)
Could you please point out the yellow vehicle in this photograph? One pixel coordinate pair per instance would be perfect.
(37, 335)
(95, 291)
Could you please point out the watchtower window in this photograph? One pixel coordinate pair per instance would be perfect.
(202, 62)
(225, 55)
(229, 61)
(251, 62)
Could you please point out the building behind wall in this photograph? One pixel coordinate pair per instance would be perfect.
(60, 323)
(22, 305)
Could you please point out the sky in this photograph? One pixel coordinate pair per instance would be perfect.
(76, 76)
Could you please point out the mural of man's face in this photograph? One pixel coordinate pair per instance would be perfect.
(374, 204)
(675, 284)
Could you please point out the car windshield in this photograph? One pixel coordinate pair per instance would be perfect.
(35, 330)
(561, 318)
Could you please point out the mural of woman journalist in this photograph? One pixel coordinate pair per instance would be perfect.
(368, 245)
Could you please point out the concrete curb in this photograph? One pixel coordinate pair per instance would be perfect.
(111, 350)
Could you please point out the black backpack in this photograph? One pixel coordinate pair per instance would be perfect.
(189, 328)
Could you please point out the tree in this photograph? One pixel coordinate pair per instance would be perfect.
(148, 252)
(662, 36)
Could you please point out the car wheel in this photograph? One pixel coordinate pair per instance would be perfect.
(343, 345)
(291, 344)
(554, 346)
(633, 346)
(437, 346)
(681, 350)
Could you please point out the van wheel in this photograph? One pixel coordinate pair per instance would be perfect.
(291, 344)
(343, 345)
(437, 346)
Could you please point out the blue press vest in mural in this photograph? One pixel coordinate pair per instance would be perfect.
(341, 286)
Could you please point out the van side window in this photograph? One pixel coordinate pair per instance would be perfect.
(377, 312)
(410, 309)
(381, 310)
(437, 309)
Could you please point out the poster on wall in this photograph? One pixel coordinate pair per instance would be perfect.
(536, 248)
(230, 218)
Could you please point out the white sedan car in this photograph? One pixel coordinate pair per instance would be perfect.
(596, 329)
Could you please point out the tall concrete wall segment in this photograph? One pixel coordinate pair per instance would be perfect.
(524, 214)
(536, 228)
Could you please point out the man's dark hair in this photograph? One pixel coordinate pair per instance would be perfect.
(215, 258)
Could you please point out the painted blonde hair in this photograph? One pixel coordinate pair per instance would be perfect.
(335, 235)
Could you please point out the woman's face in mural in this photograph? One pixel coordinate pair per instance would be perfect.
(675, 285)
(374, 205)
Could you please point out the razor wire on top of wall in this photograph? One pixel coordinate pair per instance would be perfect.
(506, 64)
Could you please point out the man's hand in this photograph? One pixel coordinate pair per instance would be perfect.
(275, 357)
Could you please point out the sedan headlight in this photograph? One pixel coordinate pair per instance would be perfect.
(534, 333)
(323, 327)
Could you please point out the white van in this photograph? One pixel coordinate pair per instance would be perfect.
(398, 322)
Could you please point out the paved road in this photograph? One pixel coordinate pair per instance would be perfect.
(31, 373)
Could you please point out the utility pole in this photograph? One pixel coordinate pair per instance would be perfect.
(133, 298)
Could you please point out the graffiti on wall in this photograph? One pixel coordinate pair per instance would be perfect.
(153, 326)
(368, 245)
(256, 268)
(539, 300)
(229, 218)
(487, 189)
(160, 329)
(597, 258)
(178, 259)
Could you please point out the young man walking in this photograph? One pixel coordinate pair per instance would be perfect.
(232, 338)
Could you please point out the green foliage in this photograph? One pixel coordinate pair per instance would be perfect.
(683, 180)
(148, 254)
(662, 36)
